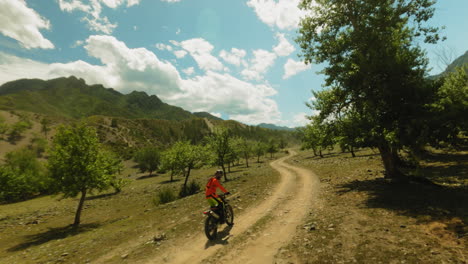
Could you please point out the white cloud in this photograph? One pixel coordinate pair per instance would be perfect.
(216, 114)
(77, 43)
(216, 92)
(300, 119)
(284, 14)
(161, 46)
(22, 23)
(132, 2)
(180, 53)
(126, 69)
(189, 70)
(259, 65)
(200, 50)
(284, 48)
(93, 9)
(178, 31)
(175, 43)
(235, 56)
(293, 67)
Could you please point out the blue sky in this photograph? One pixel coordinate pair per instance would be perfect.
(234, 59)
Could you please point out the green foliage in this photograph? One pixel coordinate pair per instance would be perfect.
(259, 149)
(182, 157)
(38, 145)
(246, 149)
(22, 177)
(272, 147)
(45, 126)
(3, 127)
(165, 195)
(148, 159)
(192, 188)
(219, 143)
(17, 129)
(450, 108)
(119, 184)
(77, 163)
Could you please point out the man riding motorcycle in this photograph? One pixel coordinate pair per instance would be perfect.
(210, 192)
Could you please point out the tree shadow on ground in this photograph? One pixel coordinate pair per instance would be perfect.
(169, 181)
(445, 200)
(147, 176)
(222, 238)
(101, 196)
(53, 234)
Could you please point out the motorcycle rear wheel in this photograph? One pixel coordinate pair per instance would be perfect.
(211, 227)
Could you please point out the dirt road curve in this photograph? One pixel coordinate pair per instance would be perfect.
(283, 211)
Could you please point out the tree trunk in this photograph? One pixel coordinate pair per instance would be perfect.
(258, 159)
(247, 161)
(187, 176)
(351, 149)
(390, 163)
(80, 208)
(224, 171)
(320, 153)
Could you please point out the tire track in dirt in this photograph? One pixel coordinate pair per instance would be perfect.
(293, 195)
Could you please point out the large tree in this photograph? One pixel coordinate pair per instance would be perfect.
(78, 164)
(372, 64)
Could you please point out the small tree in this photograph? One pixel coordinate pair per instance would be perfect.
(78, 165)
(259, 149)
(45, 126)
(148, 159)
(272, 147)
(246, 149)
(219, 144)
(182, 157)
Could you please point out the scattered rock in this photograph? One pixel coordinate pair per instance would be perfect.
(159, 237)
(124, 256)
(403, 226)
(65, 254)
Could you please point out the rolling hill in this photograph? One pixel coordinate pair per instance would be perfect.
(72, 97)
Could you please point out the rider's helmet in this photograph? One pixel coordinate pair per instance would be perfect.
(218, 174)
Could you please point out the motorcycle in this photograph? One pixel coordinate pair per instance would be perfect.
(218, 216)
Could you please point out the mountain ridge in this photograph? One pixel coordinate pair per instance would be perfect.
(72, 97)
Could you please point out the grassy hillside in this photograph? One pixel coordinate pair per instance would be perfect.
(72, 97)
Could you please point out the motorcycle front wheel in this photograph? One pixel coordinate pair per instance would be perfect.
(229, 215)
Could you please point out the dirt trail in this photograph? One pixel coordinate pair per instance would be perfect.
(285, 208)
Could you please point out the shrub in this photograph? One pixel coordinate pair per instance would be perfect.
(22, 177)
(165, 195)
(192, 188)
(119, 184)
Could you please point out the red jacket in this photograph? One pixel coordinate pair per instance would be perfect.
(210, 190)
